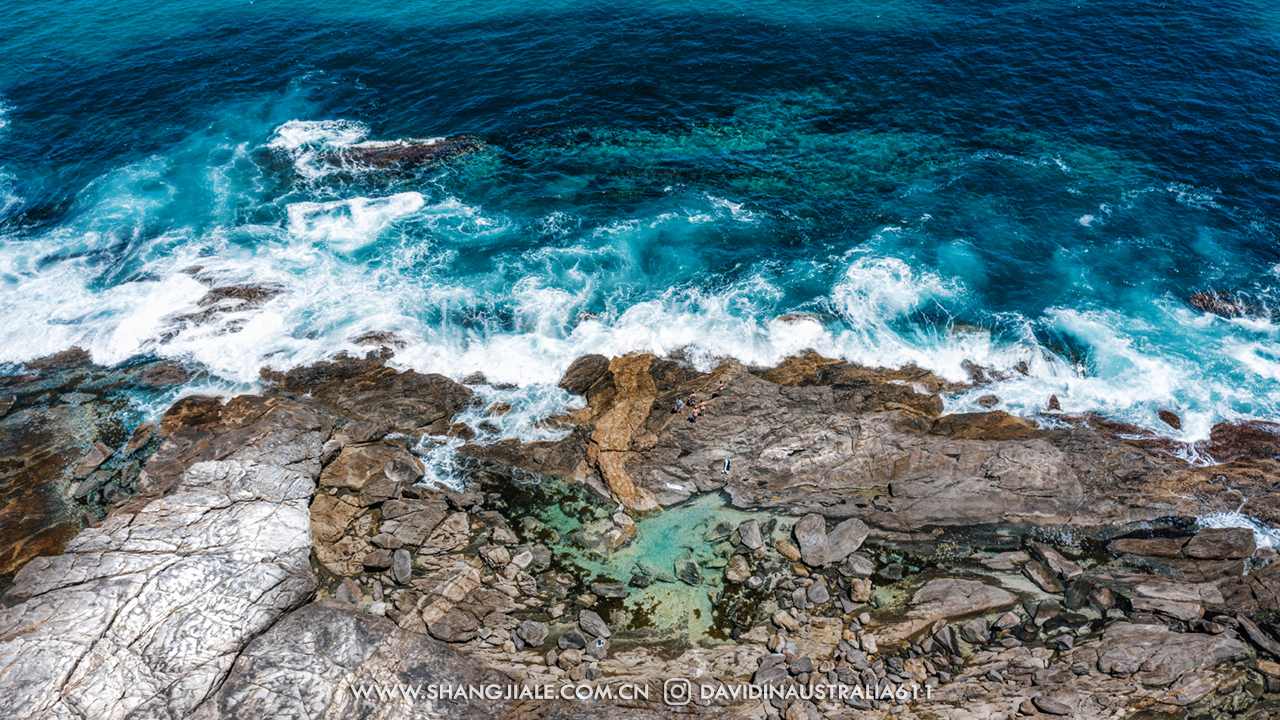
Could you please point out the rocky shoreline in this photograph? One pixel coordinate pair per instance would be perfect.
(263, 556)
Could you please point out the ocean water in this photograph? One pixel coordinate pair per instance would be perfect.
(1037, 185)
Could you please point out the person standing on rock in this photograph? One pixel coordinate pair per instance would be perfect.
(693, 415)
(679, 406)
(719, 389)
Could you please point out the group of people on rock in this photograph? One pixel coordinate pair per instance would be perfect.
(697, 408)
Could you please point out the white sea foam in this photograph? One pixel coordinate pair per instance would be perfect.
(446, 278)
(737, 211)
(348, 225)
(9, 199)
(299, 134)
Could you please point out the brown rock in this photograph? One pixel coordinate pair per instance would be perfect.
(65, 360)
(1259, 638)
(1149, 547)
(1049, 706)
(737, 571)
(1221, 303)
(340, 540)
(583, 373)
(1054, 404)
(789, 551)
(358, 465)
(1156, 656)
(1059, 565)
(1042, 576)
(140, 436)
(997, 425)
(412, 521)
(610, 448)
(954, 597)
(1170, 419)
(860, 590)
(1221, 544)
(166, 373)
(454, 626)
(1183, 611)
(203, 428)
(569, 659)
(378, 560)
(1234, 441)
(407, 401)
(98, 454)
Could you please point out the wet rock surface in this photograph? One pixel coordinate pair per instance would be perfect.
(830, 437)
(71, 447)
(860, 539)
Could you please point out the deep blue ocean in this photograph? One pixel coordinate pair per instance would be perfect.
(1036, 187)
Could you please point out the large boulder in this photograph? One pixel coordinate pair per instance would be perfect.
(954, 597)
(583, 373)
(811, 537)
(1155, 655)
(749, 534)
(1221, 544)
(845, 539)
(357, 465)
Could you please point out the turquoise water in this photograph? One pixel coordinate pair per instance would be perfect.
(890, 182)
(571, 522)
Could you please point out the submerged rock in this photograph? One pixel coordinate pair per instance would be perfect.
(405, 154)
(738, 570)
(749, 534)
(1226, 305)
(610, 590)
(687, 570)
